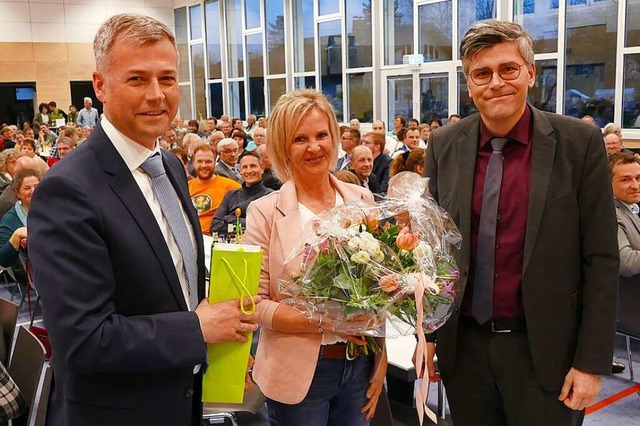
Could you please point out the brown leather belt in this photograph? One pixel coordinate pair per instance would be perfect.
(335, 351)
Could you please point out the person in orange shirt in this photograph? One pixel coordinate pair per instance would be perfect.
(207, 190)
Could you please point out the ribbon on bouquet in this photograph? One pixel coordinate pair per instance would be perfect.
(422, 391)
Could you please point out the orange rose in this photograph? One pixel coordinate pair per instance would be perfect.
(238, 212)
(388, 283)
(407, 240)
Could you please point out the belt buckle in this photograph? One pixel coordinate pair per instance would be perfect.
(493, 330)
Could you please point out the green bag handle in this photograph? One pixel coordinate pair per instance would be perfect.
(241, 284)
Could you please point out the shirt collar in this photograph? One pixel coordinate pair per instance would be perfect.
(520, 132)
(133, 153)
(633, 207)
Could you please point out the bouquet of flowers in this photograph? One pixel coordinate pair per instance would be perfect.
(369, 262)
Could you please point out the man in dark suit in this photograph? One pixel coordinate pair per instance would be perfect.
(361, 165)
(121, 274)
(376, 142)
(534, 326)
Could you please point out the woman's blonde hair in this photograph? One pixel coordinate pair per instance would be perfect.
(284, 121)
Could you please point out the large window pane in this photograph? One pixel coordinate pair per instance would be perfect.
(277, 88)
(434, 97)
(198, 80)
(466, 107)
(194, 21)
(252, 13)
(435, 31)
(256, 74)
(632, 36)
(308, 82)
(212, 22)
(215, 99)
(234, 39)
(275, 37)
(185, 102)
(543, 93)
(590, 60)
(327, 7)
(303, 52)
(399, 97)
(180, 17)
(398, 30)
(473, 11)
(331, 63)
(236, 96)
(631, 97)
(540, 19)
(361, 96)
(358, 18)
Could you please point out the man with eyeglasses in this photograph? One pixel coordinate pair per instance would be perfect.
(530, 192)
(228, 152)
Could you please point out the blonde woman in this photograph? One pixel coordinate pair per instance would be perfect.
(301, 366)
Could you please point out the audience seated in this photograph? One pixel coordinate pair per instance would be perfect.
(8, 197)
(8, 159)
(349, 139)
(64, 146)
(361, 165)
(228, 152)
(408, 161)
(376, 142)
(410, 140)
(207, 190)
(269, 178)
(252, 188)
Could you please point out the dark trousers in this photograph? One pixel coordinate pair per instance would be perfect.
(494, 383)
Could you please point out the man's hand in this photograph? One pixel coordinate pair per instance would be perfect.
(580, 389)
(224, 321)
(431, 352)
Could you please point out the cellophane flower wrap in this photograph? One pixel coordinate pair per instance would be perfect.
(368, 262)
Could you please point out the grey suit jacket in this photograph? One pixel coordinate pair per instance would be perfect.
(221, 170)
(628, 240)
(570, 268)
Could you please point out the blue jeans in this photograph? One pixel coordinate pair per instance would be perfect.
(337, 393)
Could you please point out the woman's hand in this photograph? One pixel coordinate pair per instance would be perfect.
(376, 384)
(19, 238)
(248, 380)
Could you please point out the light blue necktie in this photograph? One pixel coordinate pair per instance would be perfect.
(170, 206)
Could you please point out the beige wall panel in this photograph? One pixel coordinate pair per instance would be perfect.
(52, 71)
(17, 71)
(17, 52)
(80, 52)
(54, 90)
(81, 70)
(49, 52)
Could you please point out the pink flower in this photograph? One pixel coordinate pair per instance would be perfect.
(388, 283)
(407, 240)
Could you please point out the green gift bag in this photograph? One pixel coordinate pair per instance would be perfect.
(235, 273)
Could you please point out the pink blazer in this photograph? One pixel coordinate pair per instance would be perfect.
(285, 362)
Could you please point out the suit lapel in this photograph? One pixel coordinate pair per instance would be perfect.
(467, 151)
(543, 151)
(289, 227)
(624, 210)
(126, 189)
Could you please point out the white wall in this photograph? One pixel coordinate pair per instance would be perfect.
(71, 21)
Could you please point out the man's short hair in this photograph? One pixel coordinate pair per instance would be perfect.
(53, 104)
(131, 28)
(621, 158)
(203, 147)
(67, 141)
(611, 128)
(377, 138)
(355, 133)
(88, 99)
(30, 142)
(490, 33)
(413, 120)
(250, 154)
(226, 142)
(402, 118)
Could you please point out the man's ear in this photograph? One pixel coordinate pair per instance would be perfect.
(99, 86)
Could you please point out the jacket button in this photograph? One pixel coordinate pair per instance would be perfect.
(189, 394)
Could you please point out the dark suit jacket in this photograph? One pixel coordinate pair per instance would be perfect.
(570, 270)
(373, 184)
(221, 170)
(381, 170)
(124, 344)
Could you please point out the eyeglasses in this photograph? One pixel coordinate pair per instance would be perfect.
(507, 72)
(229, 151)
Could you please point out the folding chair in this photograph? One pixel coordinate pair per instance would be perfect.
(216, 413)
(628, 313)
(26, 368)
(8, 318)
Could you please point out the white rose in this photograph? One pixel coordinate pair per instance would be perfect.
(361, 257)
(355, 243)
(378, 256)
